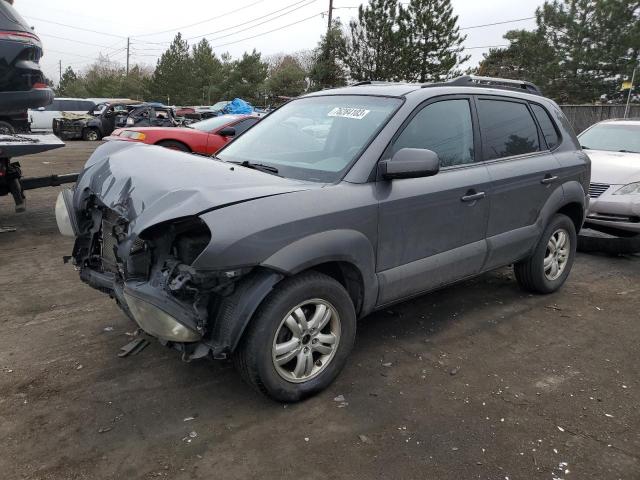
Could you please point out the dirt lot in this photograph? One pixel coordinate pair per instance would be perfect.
(475, 381)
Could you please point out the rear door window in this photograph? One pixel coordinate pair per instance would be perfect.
(444, 127)
(507, 129)
(549, 131)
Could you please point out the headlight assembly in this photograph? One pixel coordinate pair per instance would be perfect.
(630, 189)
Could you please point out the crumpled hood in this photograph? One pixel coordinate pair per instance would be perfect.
(614, 168)
(148, 185)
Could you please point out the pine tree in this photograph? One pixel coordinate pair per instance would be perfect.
(246, 78)
(431, 40)
(286, 78)
(207, 72)
(70, 85)
(528, 57)
(172, 80)
(598, 41)
(373, 46)
(327, 70)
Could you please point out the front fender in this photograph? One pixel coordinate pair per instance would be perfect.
(343, 245)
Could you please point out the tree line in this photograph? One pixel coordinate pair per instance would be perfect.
(579, 50)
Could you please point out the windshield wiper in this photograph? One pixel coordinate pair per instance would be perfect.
(258, 166)
(627, 151)
(584, 148)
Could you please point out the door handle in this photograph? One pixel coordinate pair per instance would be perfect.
(472, 196)
(548, 179)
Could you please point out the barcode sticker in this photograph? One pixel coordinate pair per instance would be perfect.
(355, 113)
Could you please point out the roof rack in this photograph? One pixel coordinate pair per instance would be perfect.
(370, 82)
(490, 82)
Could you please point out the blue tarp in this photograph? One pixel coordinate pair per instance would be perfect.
(238, 106)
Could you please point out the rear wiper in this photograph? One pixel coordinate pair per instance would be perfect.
(258, 166)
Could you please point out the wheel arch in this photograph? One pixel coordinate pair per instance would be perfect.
(181, 142)
(345, 255)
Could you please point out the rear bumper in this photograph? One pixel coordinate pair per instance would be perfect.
(35, 98)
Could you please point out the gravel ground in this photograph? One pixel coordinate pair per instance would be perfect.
(478, 380)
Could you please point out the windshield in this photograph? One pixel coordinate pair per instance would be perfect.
(213, 123)
(313, 138)
(612, 137)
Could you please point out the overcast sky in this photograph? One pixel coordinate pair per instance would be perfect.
(218, 20)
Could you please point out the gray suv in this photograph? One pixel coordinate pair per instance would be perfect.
(337, 204)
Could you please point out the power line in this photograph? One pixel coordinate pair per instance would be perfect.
(201, 22)
(308, 2)
(497, 23)
(269, 31)
(75, 41)
(77, 28)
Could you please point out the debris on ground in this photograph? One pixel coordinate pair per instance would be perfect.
(134, 347)
(104, 429)
(365, 439)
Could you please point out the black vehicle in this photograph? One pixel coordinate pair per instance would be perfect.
(22, 83)
(102, 120)
(271, 251)
(149, 115)
(22, 86)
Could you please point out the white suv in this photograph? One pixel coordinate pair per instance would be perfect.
(41, 119)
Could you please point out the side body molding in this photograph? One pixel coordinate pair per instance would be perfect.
(342, 245)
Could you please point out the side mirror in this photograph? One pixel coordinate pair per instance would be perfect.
(227, 132)
(411, 163)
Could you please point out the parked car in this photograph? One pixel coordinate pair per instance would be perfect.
(98, 122)
(269, 251)
(205, 137)
(41, 118)
(614, 149)
(22, 83)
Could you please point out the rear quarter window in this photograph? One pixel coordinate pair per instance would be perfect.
(507, 129)
(549, 130)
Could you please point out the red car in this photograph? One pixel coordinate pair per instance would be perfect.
(205, 137)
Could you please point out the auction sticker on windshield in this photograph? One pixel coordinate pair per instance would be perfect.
(355, 113)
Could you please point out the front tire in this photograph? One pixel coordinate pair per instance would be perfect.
(90, 135)
(299, 338)
(549, 266)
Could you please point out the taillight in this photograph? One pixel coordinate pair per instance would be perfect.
(24, 37)
(40, 86)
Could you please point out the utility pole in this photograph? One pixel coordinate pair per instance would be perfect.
(60, 71)
(128, 50)
(330, 15)
(626, 108)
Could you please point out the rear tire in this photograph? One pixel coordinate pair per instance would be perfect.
(90, 135)
(549, 266)
(173, 145)
(6, 128)
(285, 361)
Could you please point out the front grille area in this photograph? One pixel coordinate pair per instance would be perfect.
(597, 189)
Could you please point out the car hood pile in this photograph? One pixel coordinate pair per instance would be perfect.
(614, 168)
(147, 185)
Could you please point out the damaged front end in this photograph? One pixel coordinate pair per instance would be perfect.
(151, 276)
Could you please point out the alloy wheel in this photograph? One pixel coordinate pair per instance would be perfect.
(306, 340)
(557, 254)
